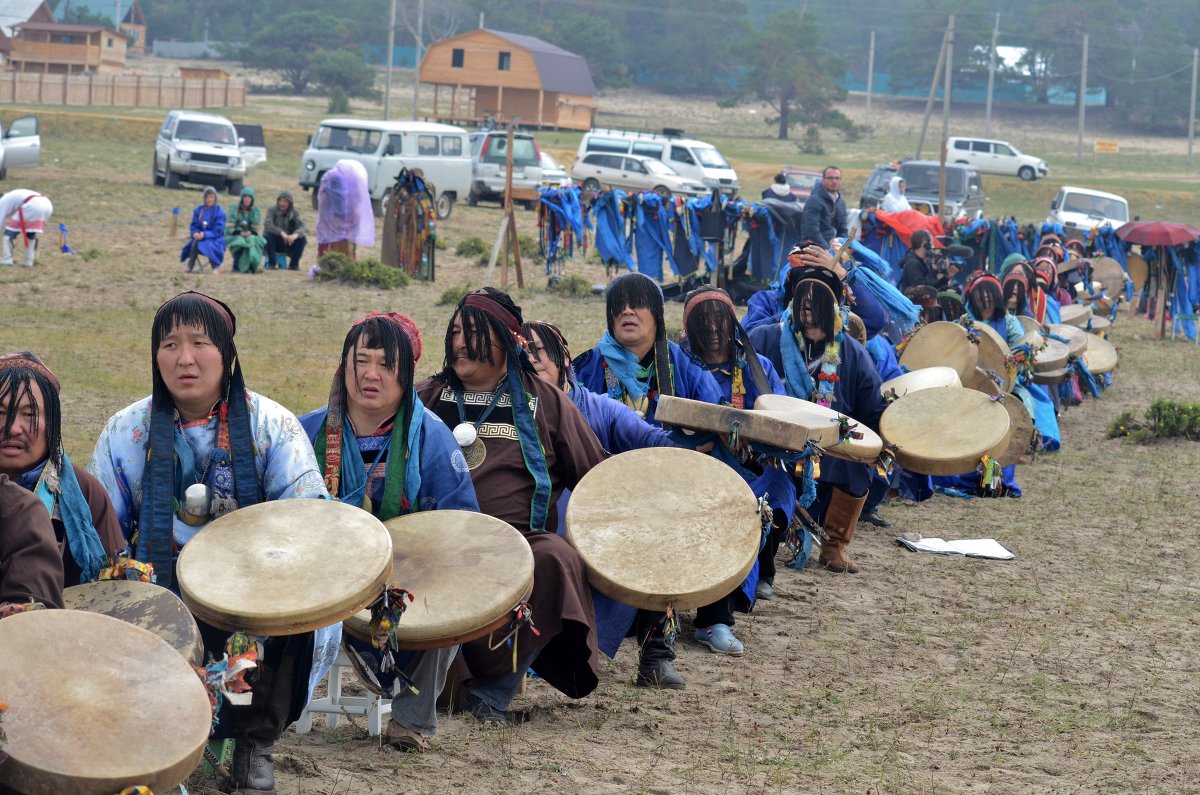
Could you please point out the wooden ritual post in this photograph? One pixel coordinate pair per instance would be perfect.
(506, 236)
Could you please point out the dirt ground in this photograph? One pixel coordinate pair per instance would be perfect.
(1070, 669)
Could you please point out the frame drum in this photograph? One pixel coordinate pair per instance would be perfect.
(466, 571)
(825, 427)
(757, 426)
(95, 705)
(941, 343)
(1110, 275)
(1047, 377)
(1020, 432)
(1100, 356)
(701, 544)
(944, 431)
(1076, 338)
(1139, 270)
(993, 355)
(928, 378)
(1029, 324)
(142, 604)
(1076, 315)
(284, 567)
(1053, 357)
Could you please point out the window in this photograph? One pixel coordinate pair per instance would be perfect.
(648, 149)
(1005, 150)
(634, 166)
(347, 139)
(110, 42)
(607, 145)
(451, 146)
(456, 58)
(603, 161)
(680, 154)
(963, 145)
(395, 145)
(505, 61)
(427, 145)
(981, 146)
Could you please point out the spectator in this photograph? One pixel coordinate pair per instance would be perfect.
(285, 232)
(242, 237)
(26, 213)
(896, 201)
(825, 212)
(207, 234)
(345, 219)
(779, 189)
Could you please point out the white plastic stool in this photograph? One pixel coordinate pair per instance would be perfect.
(335, 705)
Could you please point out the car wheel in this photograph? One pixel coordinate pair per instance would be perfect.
(962, 162)
(383, 205)
(443, 206)
(154, 177)
(591, 186)
(664, 191)
(1026, 173)
(531, 206)
(315, 191)
(473, 197)
(234, 186)
(170, 178)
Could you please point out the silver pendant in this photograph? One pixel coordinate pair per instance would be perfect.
(465, 434)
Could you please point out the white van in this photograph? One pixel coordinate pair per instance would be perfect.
(690, 158)
(1079, 209)
(441, 152)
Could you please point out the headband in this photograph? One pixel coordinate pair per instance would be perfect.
(222, 309)
(406, 325)
(706, 295)
(481, 300)
(981, 278)
(28, 362)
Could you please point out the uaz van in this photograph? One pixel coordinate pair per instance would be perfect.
(385, 147)
(695, 160)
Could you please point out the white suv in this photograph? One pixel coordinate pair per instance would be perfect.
(198, 147)
(995, 157)
(1078, 210)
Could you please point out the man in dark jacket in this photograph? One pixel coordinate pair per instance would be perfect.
(916, 268)
(825, 212)
(285, 232)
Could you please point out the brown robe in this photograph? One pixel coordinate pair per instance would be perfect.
(30, 564)
(561, 601)
(104, 519)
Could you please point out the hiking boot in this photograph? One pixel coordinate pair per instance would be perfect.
(484, 712)
(661, 674)
(720, 640)
(764, 590)
(874, 518)
(403, 738)
(841, 517)
(253, 771)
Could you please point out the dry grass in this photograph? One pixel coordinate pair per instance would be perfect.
(1067, 670)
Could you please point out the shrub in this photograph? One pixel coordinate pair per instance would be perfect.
(470, 247)
(367, 273)
(338, 101)
(571, 285)
(1165, 419)
(452, 295)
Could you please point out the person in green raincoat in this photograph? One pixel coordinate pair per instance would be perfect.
(243, 233)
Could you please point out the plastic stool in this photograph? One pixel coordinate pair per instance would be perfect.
(334, 705)
(281, 261)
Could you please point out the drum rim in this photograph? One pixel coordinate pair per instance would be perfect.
(196, 655)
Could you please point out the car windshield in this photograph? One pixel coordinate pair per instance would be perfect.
(709, 157)
(549, 163)
(658, 167)
(206, 131)
(1096, 206)
(924, 179)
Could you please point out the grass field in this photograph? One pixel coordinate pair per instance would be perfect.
(1070, 669)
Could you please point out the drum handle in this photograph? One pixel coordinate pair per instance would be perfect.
(522, 616)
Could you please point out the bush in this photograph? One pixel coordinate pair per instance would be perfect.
(338, 101)
(344, 69)
(529, 246)
(811, 143)
(1165, 419)
(571, 285)
(366, 273)
(470, 247)
(452, 295)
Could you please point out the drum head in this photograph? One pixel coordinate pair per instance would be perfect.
(1034, 340)
(1050, 376)
(824, 426)
(142, 604)
(664, 526)
(1098, 324)
(944, 431)
(1053, 357)
(941, 344)
(993, 356)
(1076, 315)
(95, 705)
(857, 329)
(1068, 265)
(467, 571)
(1138, 269)
(1100, 356)
(1029, 324)
(981, 381)
(1110, 274)
(1076, 338)
(1020, 432)
(283, 567)
(929, 378)
(757, 426)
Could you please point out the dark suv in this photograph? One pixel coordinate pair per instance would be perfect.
(877, 186)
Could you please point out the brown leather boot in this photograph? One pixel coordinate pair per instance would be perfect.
(841, 517)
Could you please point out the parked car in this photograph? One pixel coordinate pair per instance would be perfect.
(385, 147)
(964, 188)
(489, 158)
(877, 186)
(633, 173)
(697, 160)
(995, 157)
(198, 147)
(552, 171)
(801, 181)
(253, 145)
(20, 144)
(1079, 210)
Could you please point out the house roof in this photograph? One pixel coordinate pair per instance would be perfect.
(61, 27)
(13, 12)
(559, 69)
(104, 8)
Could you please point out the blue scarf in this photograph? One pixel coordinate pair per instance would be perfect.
(800, 382)
(353, 482)
(625, 366)
(531, 449)
(82, 538)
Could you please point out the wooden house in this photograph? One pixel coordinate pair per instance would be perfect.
(492, 74)
(14, 12)
(202, 73)
(53, 48)
(126, 15)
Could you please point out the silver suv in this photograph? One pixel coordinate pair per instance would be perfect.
(633, 173)
(201, 148)
(489, 152)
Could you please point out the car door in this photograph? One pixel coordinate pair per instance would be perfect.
(634, 174)
(1006, 160)
(981, 156)
(22, 143)
(252, 144)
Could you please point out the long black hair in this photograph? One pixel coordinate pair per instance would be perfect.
(16, 384)
(988, 287)
(193, 309)
(479, 326)
(824, 306)
(554, 347)
(636, 291)
(702, 320)
(378, 333)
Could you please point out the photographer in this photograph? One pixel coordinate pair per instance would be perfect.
(924, 264)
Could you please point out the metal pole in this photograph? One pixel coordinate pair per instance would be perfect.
(937, 71)
(987, 123)
(949, 73)
(1192, 111)
(1082, 102)
(420, 47)
(391, 49)
(870, 80)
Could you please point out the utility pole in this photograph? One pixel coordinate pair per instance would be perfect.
(1192, 111)
(948, 73)
(937, 71)
(871, 81)
(391, 49)
(1082, 102)
(420, 48)
(987, 123)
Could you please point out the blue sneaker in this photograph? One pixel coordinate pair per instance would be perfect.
(720, 640)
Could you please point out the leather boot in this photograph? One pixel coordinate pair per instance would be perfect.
(656, 656)
(841, 517)
(253, 770)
